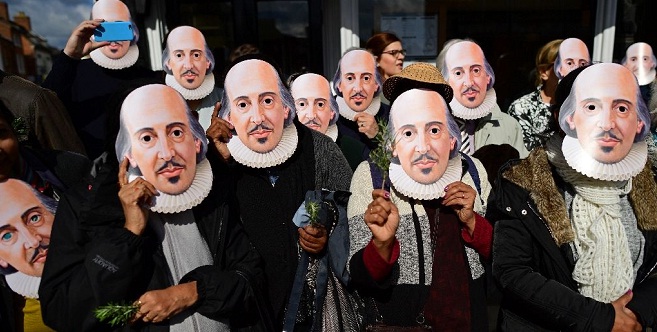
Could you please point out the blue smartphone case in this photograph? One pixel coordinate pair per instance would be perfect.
(113, 31)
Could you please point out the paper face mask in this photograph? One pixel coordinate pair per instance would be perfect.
(422, 138)
(160, 137)
(603, 113)
(573, 54)
(255, 105)
(187, 56)
(312, 99)
(113, 11)
(467, 73)
(640, 59)
(26, 218)
(358, 82)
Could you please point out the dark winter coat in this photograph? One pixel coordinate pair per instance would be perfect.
(94, 260)
(533, 260)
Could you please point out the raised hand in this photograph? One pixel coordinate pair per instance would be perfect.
(461, 197)
(136, 197)
(79, 44)
(382, 217)
(367, 124)
(219, 132)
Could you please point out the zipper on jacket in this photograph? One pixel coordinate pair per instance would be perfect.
(540, 218)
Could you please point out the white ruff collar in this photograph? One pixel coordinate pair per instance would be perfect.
(332, 132)
(349, 114)
(478, 112)
(125, 61)
(193, 196)
(282, 152)
(411, 188)
(192, 94)
(582, 162)
(23, 284)
(646, 77)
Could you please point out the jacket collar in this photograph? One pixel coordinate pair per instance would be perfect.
(530, 174)
(493, 117)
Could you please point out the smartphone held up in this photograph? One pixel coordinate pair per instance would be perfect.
(113, 31)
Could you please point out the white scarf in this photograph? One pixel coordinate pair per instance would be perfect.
(282, 152)
(625, 169)
(349, 114)
(604, 269)
(405, 185)
(23, 284)
(478, 112)
(192, 94)
(129, 59)
(184, 250)
(195, 194)
(332, 132)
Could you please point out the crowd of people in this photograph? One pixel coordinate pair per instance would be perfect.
(389, 197)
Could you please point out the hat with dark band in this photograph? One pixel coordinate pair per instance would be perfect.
(417, 76)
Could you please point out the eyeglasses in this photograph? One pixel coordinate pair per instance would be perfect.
(395, 53)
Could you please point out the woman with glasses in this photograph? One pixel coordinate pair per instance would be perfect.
(387, 48)
(533, 110)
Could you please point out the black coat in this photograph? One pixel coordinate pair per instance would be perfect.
(62, 170)
(349, 128)
(533, 261)
(93, 260)
(87, 90)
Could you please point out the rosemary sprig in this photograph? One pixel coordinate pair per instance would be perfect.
(312, 208)
(116, 314)
(382, 155)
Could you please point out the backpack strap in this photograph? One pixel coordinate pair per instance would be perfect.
(474, 174)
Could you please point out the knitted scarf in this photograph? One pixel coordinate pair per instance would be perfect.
(604, 269)
(448, 305)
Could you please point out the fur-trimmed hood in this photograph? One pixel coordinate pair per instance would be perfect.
(533, 175)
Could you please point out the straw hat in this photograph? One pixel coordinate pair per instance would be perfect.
(417, 76)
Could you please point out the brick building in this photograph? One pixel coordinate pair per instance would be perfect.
(23, 52)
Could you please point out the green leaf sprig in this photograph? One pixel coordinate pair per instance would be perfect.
(382, 155)
(312, 208)
(116, 314)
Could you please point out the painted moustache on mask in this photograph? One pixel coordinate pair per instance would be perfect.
(471, 88)
(312, 122)
(608, 133)
(424, 156)
(260, 126)
(189, 72)
(172, 162)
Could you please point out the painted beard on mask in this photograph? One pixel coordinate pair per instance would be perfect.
(423, 159)
(472, 90)
(168, 166)
(189, 75)
(359, 96)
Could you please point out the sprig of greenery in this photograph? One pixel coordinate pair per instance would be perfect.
(382, 155)
(312, 208)
(116, 314)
